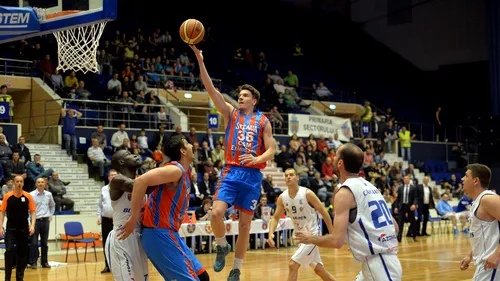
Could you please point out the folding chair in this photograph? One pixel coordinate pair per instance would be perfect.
(75, 229)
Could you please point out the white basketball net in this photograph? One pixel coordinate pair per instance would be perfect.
(77, 48)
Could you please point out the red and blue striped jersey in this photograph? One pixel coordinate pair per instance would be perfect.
(244, 135)
(166, 206)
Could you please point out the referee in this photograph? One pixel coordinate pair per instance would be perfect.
(18, 205)
(105, 216)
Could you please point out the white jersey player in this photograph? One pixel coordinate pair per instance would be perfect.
(302, 206)
(126, 258)
(363, 219)
(484, 220)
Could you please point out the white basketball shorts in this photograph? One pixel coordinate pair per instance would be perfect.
(381, 267)
(126, 258)
(486, 275)
(307, 255)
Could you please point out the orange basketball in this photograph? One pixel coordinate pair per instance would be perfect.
(192, 31)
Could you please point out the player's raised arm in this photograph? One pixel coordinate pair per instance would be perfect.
(318, 205)
(280, 209)
(222, 106)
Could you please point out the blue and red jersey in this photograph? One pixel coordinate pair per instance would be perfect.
(244, 135)
(166, 207)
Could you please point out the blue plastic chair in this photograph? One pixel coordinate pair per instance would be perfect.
(75, 229)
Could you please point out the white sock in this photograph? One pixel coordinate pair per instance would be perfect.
(221, 241)
(237, 263)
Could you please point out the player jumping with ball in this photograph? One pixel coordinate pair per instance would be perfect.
(249, 144)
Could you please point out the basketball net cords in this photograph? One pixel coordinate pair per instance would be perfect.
(77, 48)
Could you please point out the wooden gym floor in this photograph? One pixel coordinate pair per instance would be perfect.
(431, 258)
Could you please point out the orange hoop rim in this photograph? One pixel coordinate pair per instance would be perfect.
(62, 13)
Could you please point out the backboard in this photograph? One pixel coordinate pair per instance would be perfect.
(21, 22)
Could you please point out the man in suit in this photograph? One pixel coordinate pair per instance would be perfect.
(210, 139)
(425, 203)
(207, 186)
(24, 152)
(406, 203)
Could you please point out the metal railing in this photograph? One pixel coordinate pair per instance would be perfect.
(173, 83)
(422, 131)
(16, 67)
(337, 96)
(111, 114)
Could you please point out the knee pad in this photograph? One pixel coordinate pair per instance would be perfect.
(204, 276)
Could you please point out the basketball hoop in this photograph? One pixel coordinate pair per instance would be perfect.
(77, 48)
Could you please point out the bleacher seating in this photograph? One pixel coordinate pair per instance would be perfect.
(83, 190)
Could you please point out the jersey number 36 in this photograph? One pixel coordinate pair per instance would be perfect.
(381, 215)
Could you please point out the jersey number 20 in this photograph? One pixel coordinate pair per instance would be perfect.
(381, 215)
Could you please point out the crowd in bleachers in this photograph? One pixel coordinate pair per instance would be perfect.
(16, 160)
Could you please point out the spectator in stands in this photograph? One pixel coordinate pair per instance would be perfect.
(140, 85)
(119, 136)
(455, 186)
(464, 206)
(15, 167)
(366, 116)
(277, 120)
(426, 202)
(204, 154)
(320, 188)
(284, 159)
(218, 154)
(322, 91)
(101, 139)
(207, 186)
(301, 170)
(57, 82)
(71, 82)
(97, 158)
(445, 210)
(58, 190)
(390, 136)
(411, 172)
(5, 97)
(268, 188)
(405, 138)
(327, 169)
(192, 138)
(36, 170)
(263, 210)
(196, 191)
(70, 116)
(178, 131)
(204, 211)
(47, 67)
(375, 125)
(81, 92)
(210, 139)
(143, 143)
(146, 165)
(291, 80)
(1, 134)
(104, 61)
(24, 152)
(114, 87)
(8, 186)
(160, 138)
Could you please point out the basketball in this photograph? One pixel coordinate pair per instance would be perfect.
(192, 31)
